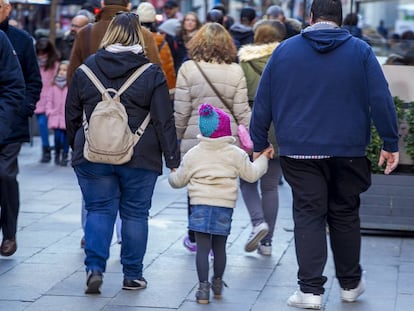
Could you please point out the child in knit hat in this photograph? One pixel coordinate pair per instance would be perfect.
(211, 170)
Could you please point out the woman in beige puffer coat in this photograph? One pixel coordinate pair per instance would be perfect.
(214, 51)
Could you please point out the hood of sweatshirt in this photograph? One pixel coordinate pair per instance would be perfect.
(325, 39)
(117, 65)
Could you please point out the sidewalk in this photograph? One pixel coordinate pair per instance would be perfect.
(47, 272)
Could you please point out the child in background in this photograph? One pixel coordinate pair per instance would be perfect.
(211, 170)
(48, 58)
(55, 111)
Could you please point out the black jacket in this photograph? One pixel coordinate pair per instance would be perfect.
(22, 43)
(11, 86)
(149, 93)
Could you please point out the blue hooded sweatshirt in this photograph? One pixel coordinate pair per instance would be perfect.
(322, 88)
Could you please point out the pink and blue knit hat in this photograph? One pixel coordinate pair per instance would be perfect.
(213, 122)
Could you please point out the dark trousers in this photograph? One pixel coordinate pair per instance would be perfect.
(9, 189)
(325, 192)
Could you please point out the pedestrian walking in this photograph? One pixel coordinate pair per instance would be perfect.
(22, 43)
(262, 206)
(211, 170)
(12, 96)
(321, 89)
(128, 187)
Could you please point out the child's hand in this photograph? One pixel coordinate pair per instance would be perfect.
(269, 152)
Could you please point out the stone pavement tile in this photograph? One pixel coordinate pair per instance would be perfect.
(407, 249)
(362, 304)
(406, 282)
(274, 298)
(111, 307)
(161, 292)
(284, 275)
(13, 305)
(241, 277)
(28, 282)
(39, 238)
(28, 218)
(74, 285)
(57, 259)
(68, 303)
(387, 250)
(230, 296)
(404, 302)
(214, 305)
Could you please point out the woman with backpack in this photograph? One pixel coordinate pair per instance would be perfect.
(128, 185)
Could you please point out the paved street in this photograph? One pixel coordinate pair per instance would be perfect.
(47, 271)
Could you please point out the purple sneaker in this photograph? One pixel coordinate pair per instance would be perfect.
(191, 246)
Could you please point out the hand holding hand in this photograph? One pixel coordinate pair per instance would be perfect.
(269, 152)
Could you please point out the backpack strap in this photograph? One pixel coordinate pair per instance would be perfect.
(132, 78)
(93, 78)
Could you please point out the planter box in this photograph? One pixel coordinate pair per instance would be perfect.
(389, 203)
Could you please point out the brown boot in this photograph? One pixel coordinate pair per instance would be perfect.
(8, 247)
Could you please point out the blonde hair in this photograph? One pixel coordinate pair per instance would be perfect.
(125, 29)
(212, 43)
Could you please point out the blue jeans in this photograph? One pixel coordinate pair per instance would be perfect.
(107, 189)
(43, 129)
(61, 140)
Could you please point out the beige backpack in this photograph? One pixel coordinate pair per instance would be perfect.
(108, 138)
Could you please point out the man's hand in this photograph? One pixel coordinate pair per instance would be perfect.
(269, 152)
(391, 159)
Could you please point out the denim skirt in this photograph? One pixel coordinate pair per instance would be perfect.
(210, 219)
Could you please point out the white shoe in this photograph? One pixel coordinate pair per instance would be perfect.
(303, 300)
(258, 233)
(350, 295)
(265, 249)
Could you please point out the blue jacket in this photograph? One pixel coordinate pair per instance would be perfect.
(22, 43)
(11, 86)
(322, 89)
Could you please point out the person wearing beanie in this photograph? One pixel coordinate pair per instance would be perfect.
(146, 12)
(210, 170)
(242, 32)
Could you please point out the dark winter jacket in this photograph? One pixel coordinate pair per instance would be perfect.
(11, 86)
(322, 88)
(22, 43)
(241, 34)
(147, 94)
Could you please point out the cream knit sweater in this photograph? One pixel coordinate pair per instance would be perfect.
(211, 170)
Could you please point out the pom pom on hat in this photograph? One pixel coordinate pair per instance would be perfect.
(213, 122)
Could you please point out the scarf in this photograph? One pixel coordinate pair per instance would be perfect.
(42, 61)
(60, 82)
(119, 48)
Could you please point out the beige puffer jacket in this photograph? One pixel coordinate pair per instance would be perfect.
(192, 90)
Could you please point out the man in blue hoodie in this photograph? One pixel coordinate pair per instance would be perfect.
(321, 89)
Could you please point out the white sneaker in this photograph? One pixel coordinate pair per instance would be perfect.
(258, 233)
(303, 300)
(265, 249)
(350, 295)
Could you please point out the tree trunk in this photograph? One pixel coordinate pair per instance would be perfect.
(52, 24)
